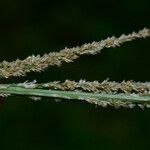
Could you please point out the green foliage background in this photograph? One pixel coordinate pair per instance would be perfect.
(40, 26)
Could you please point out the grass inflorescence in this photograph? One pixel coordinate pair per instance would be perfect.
(107, 93)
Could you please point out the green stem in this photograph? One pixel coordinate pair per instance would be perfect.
(74, 94)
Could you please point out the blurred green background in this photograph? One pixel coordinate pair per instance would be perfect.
(40, 26)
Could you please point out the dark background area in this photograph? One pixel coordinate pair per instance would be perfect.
(40, 26)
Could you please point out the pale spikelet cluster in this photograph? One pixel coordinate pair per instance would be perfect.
(117, 104)
(4, 95)
(93, 89)
(39, 63)
(126, 87)
(106, 86)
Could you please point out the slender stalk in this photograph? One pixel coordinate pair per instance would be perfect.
(97, 98)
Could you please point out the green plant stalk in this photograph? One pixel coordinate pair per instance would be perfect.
(75, 95)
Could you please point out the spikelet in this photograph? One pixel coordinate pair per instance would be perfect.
(39, 63)
(127, 94)
(126, 87)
